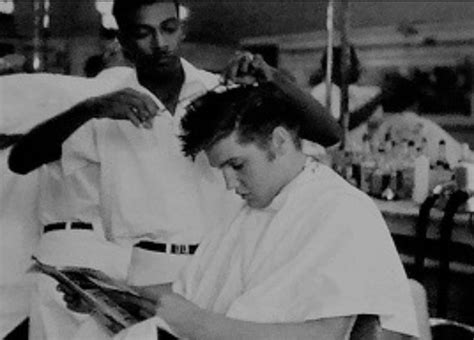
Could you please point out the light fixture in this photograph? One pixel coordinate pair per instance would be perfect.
(104, 7)
(7, 6)
(183, 12)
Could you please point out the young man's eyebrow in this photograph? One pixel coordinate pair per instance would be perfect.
(226, 162)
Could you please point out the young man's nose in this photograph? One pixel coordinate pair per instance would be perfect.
(230, 179)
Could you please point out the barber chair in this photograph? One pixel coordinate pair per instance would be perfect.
(367, 327)
(455, 199)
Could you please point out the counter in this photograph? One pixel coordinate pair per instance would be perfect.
(401, 218)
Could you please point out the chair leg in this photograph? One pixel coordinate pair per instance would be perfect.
(446, 228)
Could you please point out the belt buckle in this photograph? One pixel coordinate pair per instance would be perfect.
(178, 249)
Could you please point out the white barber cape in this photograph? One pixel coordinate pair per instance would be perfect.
(321, 249)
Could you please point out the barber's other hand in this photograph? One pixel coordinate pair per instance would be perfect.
(246, 68)
(126, 104)
(73, 301)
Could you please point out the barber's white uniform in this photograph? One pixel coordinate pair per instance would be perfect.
(69, 198)
(321, 249)
(145, 182)
(149, 191)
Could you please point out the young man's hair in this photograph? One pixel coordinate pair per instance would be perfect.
(123, 9)
(252, 111)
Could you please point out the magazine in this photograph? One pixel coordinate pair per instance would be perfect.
(101, 294)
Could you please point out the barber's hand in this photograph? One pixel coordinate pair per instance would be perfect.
(246, 68)
(73, 301)
(126, 104)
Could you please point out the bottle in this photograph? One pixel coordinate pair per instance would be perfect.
(367, 165)
(421, 178)
(441, 172)
(442, 161)
(407, 170)
(424, 148)
(377, 180)
(464, 171)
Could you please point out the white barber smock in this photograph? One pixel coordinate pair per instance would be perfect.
(74, 196)
(148, 189)
(321, 249)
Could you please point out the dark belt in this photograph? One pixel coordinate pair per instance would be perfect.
(63, 226)
(178, 249)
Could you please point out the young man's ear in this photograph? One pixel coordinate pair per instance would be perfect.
(281, 140)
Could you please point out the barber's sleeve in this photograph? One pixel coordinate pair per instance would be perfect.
(80, 149)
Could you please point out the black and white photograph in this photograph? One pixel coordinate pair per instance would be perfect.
(251, 170)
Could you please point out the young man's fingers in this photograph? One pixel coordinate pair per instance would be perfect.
(64, 289)
(73, 301)
(78, 307)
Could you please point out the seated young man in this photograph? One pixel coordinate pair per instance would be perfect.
(304, 256)
(307, 252)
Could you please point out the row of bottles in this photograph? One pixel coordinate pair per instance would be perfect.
(394, 170)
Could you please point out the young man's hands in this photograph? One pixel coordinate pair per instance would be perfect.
(140, 306)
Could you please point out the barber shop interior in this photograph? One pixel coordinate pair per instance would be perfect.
(184, 169)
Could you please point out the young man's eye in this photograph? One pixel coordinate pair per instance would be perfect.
(237, 166)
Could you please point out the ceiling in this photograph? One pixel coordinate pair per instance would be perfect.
(226, 22)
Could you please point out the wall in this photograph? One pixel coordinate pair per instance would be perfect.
(384, 48)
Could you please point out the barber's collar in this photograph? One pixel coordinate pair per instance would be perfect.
(196, 83)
